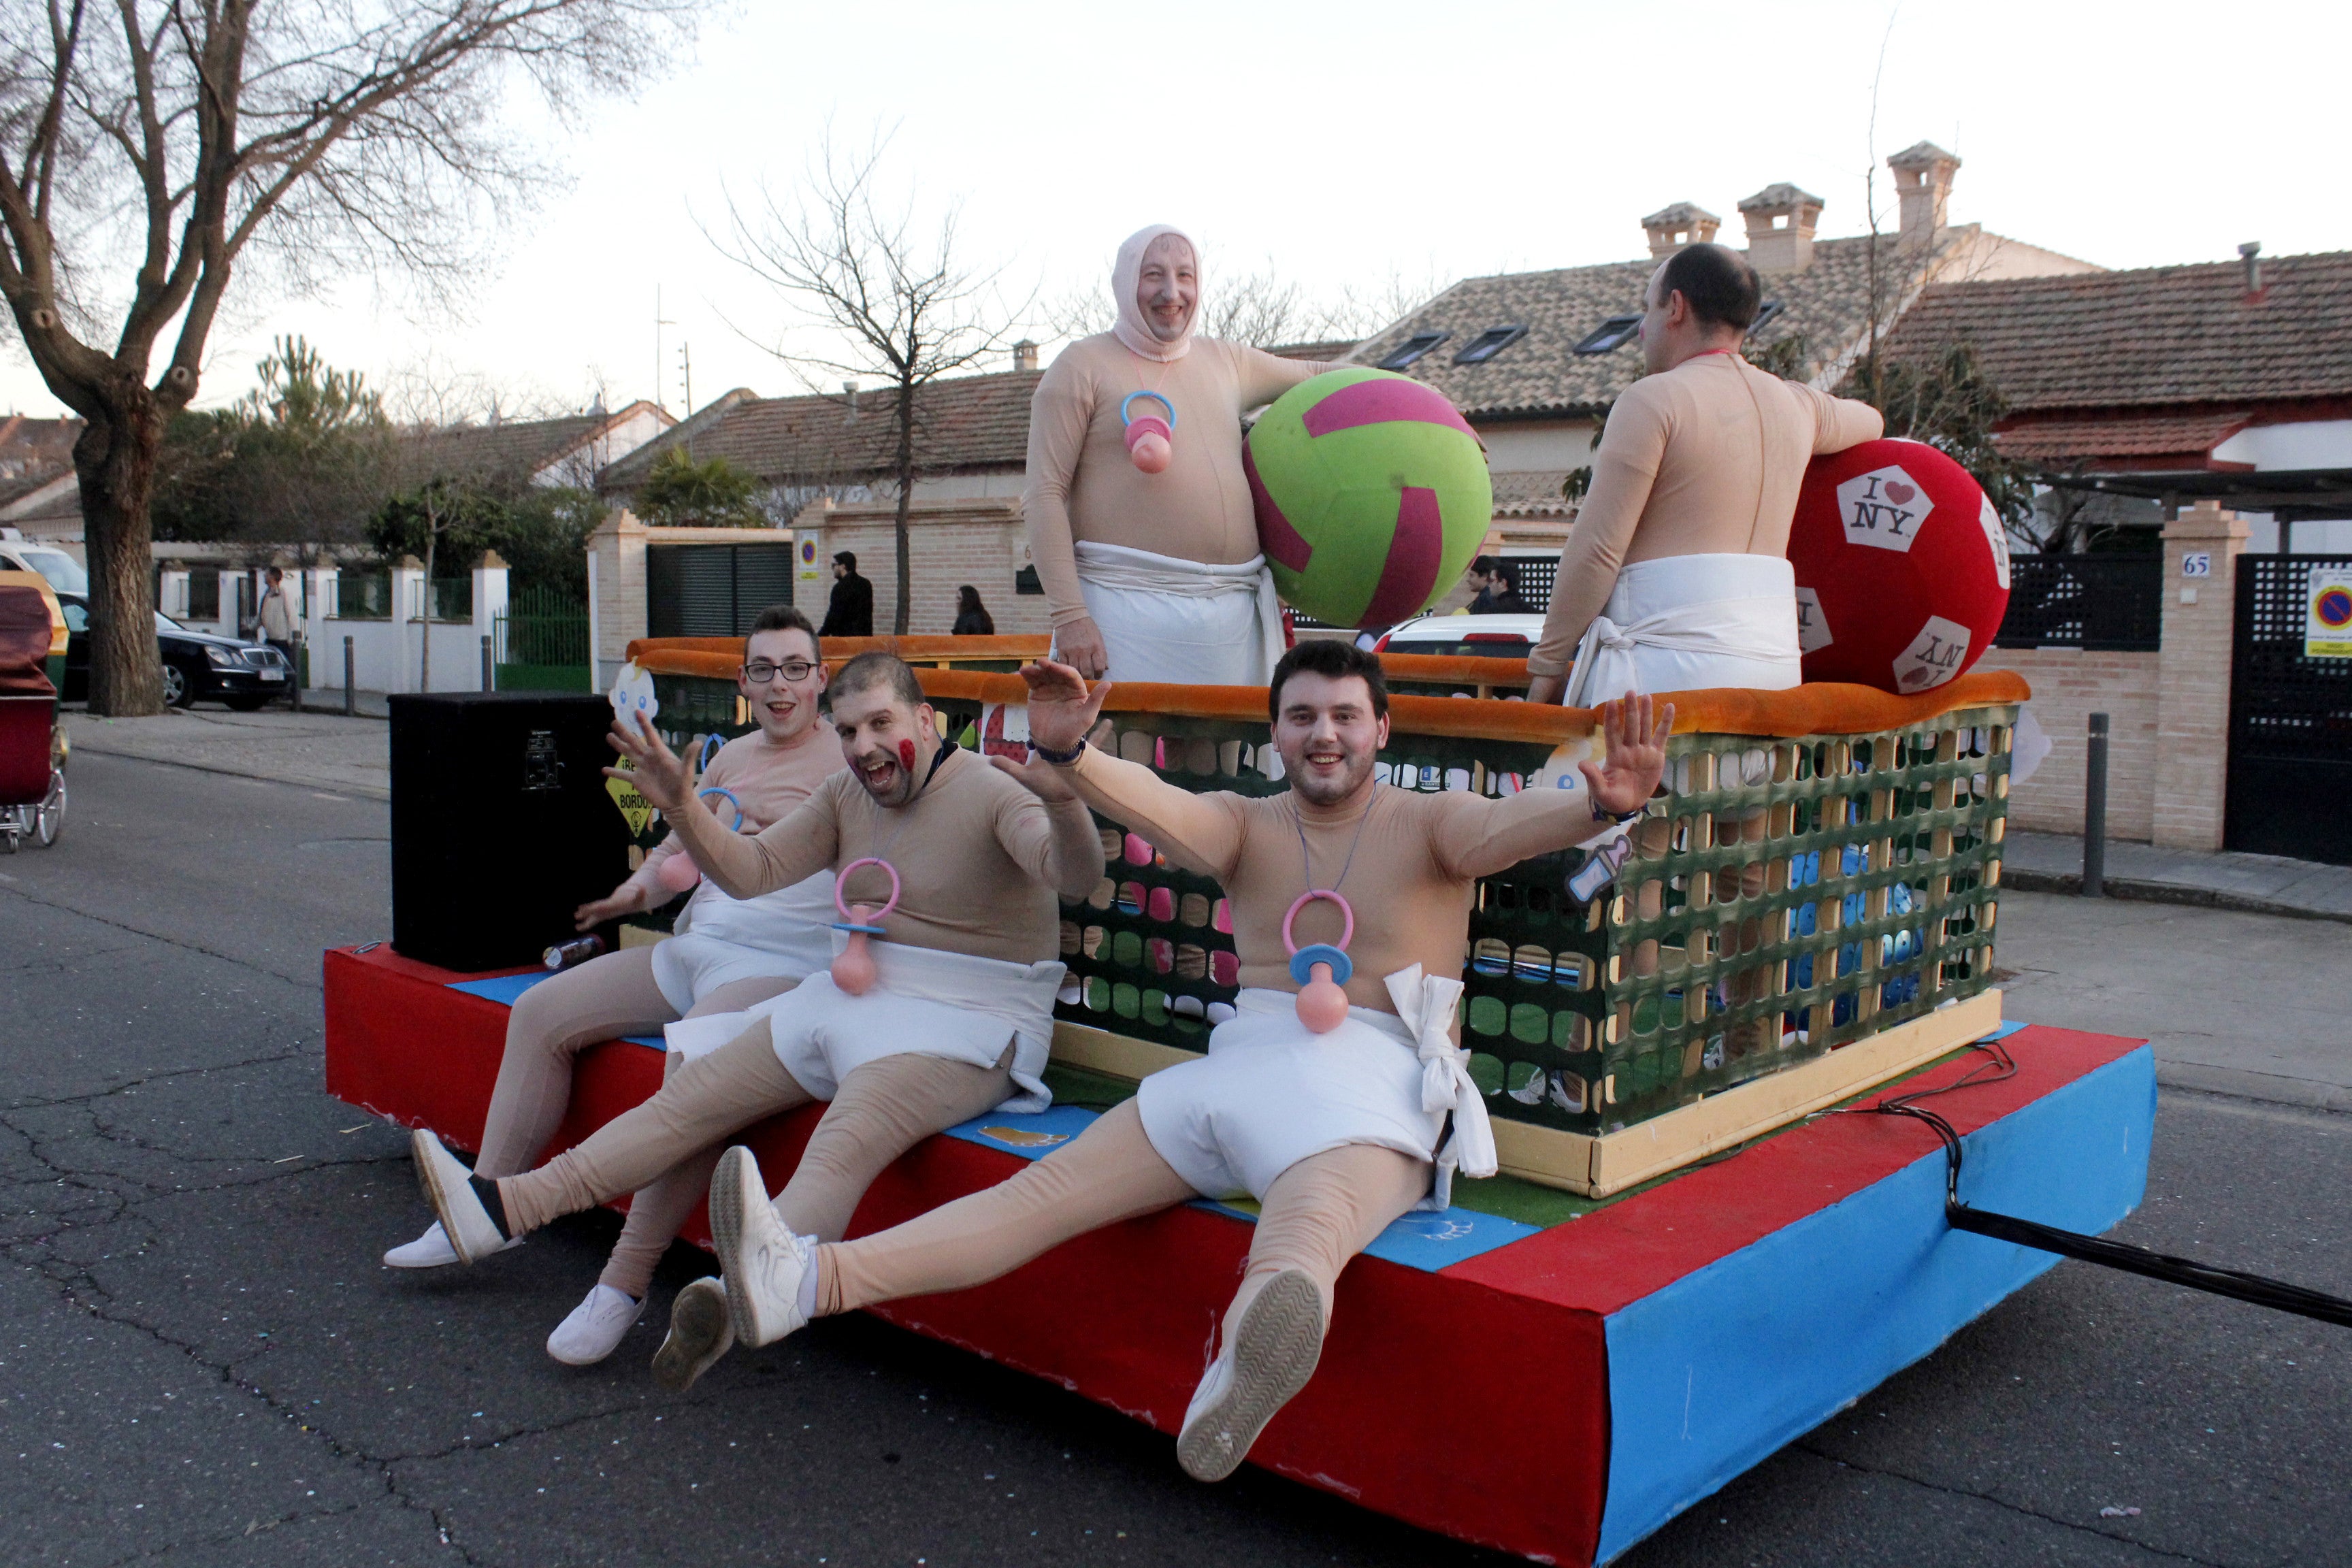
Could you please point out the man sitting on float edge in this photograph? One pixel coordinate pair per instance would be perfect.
(957, 1020)
(1335, 1132)
(727, 955)
(1676, 576)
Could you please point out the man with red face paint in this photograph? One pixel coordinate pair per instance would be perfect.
(1338, 1113)
(959, 868)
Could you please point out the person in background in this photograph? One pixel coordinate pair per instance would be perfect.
(281, 622)
(850, 612)
(972, 619)
(1481, 576)
(1502, 593)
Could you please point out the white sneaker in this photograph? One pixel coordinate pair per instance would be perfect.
(595, 1328)
(763, 1262)
(701, 1330)
(430, 1250)
(448, 1186)
(1269, 1358)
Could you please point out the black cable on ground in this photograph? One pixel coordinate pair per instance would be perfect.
(2262, 1291)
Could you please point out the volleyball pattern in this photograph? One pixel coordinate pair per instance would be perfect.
(1371, 495)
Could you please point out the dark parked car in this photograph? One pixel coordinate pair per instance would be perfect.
(196, 664)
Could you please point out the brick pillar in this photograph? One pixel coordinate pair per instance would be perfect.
(2193, 703)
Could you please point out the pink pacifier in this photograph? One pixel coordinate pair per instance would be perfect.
(1149, 437)
(678, 872)
(1319, 968)
(853, 966)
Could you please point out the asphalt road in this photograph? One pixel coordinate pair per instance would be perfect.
(205, 1362)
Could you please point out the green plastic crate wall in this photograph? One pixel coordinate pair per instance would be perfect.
(1782, 899)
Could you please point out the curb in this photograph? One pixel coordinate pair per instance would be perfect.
(2138, 891)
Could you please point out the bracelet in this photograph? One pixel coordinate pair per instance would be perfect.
(1059, 758)
(1619, 818)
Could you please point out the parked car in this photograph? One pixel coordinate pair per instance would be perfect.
(18, 554)
(1472, 636)
(197, 665)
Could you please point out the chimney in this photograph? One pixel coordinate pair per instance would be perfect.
(1024, 355)
(1671, 228)
(849, 390)
(1780, 223)
(2252, 253)
(1922, 178)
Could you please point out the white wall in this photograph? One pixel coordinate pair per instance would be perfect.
(1536, 447)
(2306, 444)
(385, 654)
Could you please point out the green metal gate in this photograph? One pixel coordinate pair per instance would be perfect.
(541, 643)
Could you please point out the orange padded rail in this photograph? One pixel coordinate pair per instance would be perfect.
(1818, 708)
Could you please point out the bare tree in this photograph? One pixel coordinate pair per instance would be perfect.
(899, 304)
(177, 136)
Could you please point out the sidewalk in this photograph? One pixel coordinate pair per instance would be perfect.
(2257, 884)
(320, 750)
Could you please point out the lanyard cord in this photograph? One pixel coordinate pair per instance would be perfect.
(939, 758)
(1308, 864)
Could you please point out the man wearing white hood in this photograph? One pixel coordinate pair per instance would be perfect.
(1154, 576)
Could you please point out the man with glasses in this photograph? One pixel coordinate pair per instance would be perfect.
(728, 955)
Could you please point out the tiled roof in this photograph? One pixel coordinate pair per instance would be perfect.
(512, 448)
(2152, 336)
(1827, 304)
(30, 446)
(964, 423)
(1532, 494)
(2100, 437)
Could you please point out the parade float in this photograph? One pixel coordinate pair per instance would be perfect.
(1692, 1256)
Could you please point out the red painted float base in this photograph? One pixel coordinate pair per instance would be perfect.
(1518, 1399)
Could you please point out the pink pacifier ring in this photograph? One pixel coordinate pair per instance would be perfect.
(1347, 932)
(849, 921)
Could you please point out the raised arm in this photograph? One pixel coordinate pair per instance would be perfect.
(1481, 837)
(1623, 470)
(799, 846)
(1053, 838)
(1195, 831)
(1264, 377)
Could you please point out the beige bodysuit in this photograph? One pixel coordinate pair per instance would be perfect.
(1082, 484)
(1703, 459)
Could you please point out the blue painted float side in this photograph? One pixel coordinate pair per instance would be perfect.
(1721, 1369)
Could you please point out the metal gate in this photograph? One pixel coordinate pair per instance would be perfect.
(2290, 718)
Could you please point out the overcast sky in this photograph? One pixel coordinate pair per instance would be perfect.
(1341, 145)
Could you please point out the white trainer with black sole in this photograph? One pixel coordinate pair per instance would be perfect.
(1268, 1360)
(430, 1250)
(701, 1330)
(471, 1232)
(761, 1260)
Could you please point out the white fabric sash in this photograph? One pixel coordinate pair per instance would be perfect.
(1141, 571)
(1665, 604)
(1426, 1004)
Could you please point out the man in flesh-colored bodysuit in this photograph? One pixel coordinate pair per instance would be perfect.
(749, 954)
(983, 865)
(1702, 457)
(1194, 515)
(1336, 1132)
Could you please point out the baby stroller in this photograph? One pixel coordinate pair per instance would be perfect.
(32, 742)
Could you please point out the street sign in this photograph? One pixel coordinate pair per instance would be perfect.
(2327, 614)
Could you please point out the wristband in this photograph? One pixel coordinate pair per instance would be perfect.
(1059, 758)
(1619, 818)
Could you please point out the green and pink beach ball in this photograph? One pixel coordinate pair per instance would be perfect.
(1371, 496)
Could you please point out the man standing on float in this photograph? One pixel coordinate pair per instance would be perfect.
(1139, 508)
(1676, 576)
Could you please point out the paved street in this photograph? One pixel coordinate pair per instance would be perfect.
(209, 1366)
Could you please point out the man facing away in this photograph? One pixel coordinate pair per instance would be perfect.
(850, 612)
(727, 955)
(1335, 1132)
(1154, 576)
(1676, 576)
(962, 870)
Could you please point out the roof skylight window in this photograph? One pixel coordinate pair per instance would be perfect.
(1490, 343)
(1771, 308)
(1411, 349)
(1610, 335)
